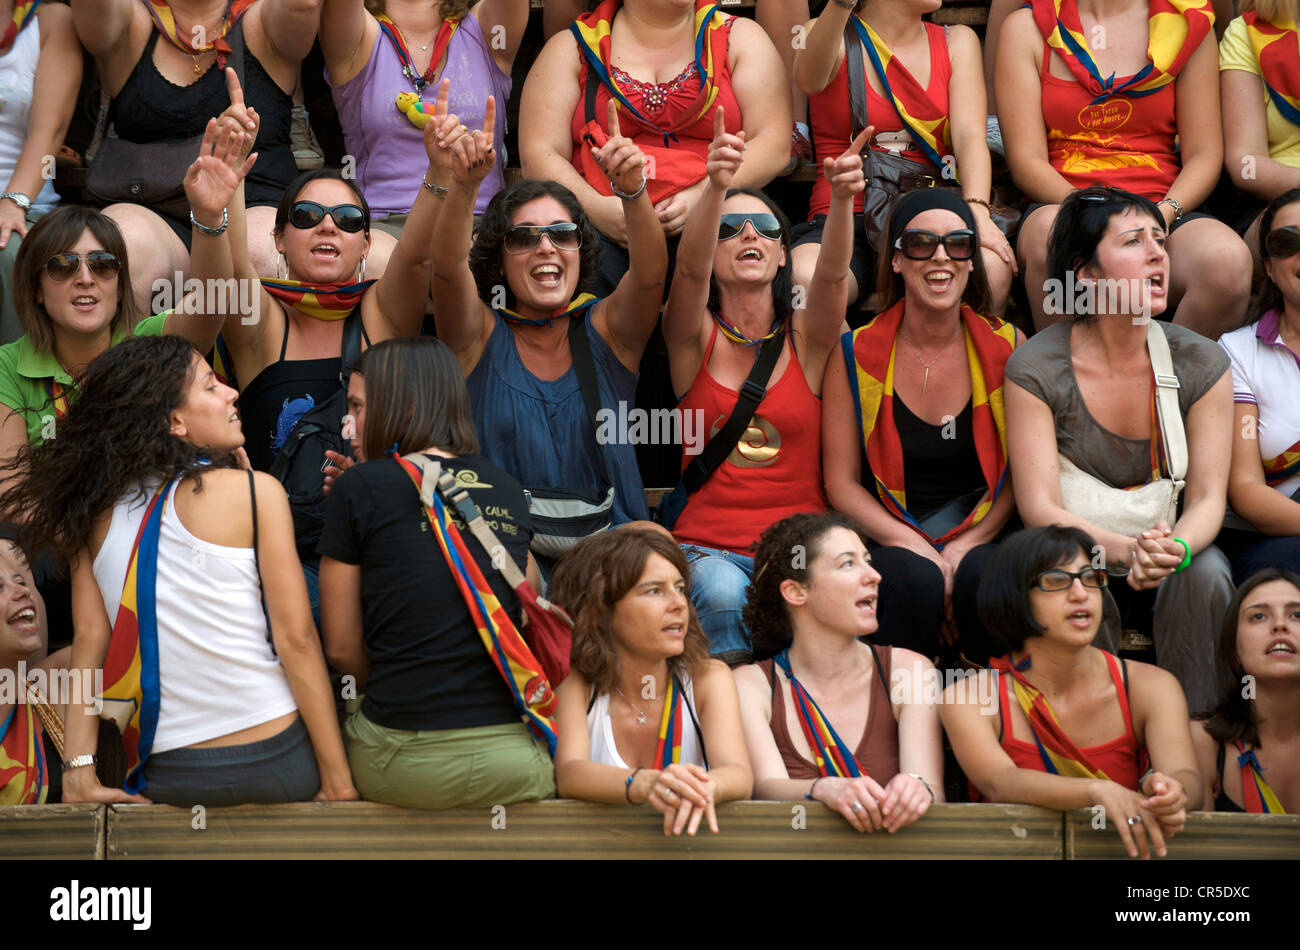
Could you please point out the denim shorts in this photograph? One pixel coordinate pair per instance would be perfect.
(719, 579)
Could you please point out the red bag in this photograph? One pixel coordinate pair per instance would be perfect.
(547, 630)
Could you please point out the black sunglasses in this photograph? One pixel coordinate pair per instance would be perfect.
(1282, 242)
(308, 214)
(1058, 580)
(729, 225)
(918, 245)
(564, 236)
(63, 267)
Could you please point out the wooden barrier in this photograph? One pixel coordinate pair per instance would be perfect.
(1207, 836)
(44, 832)
(569, 829)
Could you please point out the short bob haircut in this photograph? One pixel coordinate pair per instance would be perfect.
(1267, 296)
(775, 560)
(53, 234)
(1234, 716)
(415, 398)
(1080, 224)
(892, 286)
(486, 255)
(296, 186)
(1004, 591)
(599, 572)
(783, 282)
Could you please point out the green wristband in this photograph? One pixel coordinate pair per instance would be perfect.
(1187, 556)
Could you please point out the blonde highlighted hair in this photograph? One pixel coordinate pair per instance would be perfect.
(1274, 11)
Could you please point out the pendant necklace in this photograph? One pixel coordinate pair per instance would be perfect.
(925, 384)
(640, 713)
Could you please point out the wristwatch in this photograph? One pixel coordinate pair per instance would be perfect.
(79, 761)
(18, 198)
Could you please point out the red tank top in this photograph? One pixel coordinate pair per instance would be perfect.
(773, 472)
(1123, 142)
(830, 117)
(1122, 759)
(675, 163)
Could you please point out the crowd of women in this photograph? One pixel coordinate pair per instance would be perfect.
(313, 553)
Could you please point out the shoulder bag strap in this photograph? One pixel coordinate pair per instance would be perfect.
(1167, 408)
(257, 563)
(584, 367)
(751, 394)
(857, 81)
(699, 733)
(352, 329)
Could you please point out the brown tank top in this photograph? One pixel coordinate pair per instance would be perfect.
(877, 752)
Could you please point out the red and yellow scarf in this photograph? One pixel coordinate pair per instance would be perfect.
(869, 355)
(833, 757)
(924, 119)
(132, 692)
(24, 10)
(1260, 799)
(575, 306)
(669, 749)
(398, 41)
(1281, 467)
(593, 33)
(24, 779)
(165, 20)
(321, 301)
(522, 673)
(58, 398)
(1175, 29)
(1277, 48)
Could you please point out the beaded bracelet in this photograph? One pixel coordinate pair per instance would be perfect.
(627, 787)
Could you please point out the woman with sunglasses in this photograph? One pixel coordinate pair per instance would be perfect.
(507, 305)
(935, 491)
(72, 291)
(1086, 391)
(186, 592)
(1151, 128)
(826, 683)
(731, 298)
(1262, 527)
(1070, 726)
(1255, 732)
(949, 105)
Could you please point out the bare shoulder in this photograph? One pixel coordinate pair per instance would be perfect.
(963, 40)
(747, 37)
(900, 658)
(750, 681)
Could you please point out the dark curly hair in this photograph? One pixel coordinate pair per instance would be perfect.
(595, 576)
(1267, 296)
(115, 440)
(490, 235)
(1234, 717)
(783, 282)
(784, 552)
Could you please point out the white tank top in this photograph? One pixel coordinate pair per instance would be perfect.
(216, 669)
(601, 731)
(17, 76)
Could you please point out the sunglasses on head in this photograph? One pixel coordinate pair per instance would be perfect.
(62, 267)
(1282, 242)
(729, 225)
(564, 236)
(1057, 579)
(918, 245)
(308, 214)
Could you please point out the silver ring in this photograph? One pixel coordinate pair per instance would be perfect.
(857, 807)
(1135, 820)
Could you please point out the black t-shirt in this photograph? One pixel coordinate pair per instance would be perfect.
(428, 666)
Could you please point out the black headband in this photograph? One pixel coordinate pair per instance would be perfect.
(927, 199)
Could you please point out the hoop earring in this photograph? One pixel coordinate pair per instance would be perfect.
(363, 269)
(281, 266)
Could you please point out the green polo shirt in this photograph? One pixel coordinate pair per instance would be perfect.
(24, 374)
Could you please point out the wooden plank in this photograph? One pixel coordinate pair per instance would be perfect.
(1208, 835)
(569, 829)
(47, 832)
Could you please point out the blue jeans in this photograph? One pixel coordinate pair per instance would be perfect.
(718, 582)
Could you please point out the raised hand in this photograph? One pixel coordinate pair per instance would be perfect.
(846, 174)
(214, 176)
(474, 154)
(442, 132)
(623, 163)
(726, 152)
(244, 116)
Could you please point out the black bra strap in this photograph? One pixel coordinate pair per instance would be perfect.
(257, 563)
(879, 672)
(699, 733)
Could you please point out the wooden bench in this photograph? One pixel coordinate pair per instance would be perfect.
(1207, 836)
(46, 832)
(570, 829)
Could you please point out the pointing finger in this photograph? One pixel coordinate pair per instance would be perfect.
(719, 122)
(612, 116)
(489, 121)
(440, 103)
(233, 87)
(860, 142)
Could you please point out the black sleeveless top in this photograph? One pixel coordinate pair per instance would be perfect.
(149, 108)
(936, 469)
(1221, 801)
(283, 393)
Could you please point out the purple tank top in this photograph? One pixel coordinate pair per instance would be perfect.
(389, 150)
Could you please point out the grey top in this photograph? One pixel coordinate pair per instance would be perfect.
(1042, 366)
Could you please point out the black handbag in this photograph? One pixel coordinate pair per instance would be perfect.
(151, 173)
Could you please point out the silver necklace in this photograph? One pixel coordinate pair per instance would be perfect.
(640, 713)
(925, 384)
